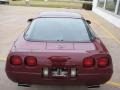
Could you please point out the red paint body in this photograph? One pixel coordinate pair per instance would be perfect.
(70, 56)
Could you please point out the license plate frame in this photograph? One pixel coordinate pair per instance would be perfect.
(59, 72)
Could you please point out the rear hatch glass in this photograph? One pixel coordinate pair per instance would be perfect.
(58, 29)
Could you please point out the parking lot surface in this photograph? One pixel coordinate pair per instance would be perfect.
(13, 21)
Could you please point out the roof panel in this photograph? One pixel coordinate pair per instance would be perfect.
(60, 14)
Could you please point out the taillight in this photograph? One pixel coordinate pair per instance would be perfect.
(30, 61)
(103, 62)
(88, 62)
(15, 60)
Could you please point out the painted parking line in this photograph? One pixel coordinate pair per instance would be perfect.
(104, 29)
(109, 33)
(2, 58)
(114, 84)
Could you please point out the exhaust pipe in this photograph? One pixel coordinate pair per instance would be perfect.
(24, 85)
(94, 86)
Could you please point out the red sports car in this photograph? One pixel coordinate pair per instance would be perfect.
(59, 48)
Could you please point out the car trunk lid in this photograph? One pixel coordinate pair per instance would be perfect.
(70, 46)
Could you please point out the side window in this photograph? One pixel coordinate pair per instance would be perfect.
(93, 35)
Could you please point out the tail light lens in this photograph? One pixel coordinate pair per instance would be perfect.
(103, 62)
(15, 60)
(88, 62)
(30, 61)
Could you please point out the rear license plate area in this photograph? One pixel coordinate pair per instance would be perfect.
(59, 72)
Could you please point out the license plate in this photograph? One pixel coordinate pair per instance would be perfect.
(59, 72)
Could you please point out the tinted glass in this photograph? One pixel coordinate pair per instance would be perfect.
(57, 29)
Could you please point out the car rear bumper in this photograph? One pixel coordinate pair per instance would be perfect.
(37, 78)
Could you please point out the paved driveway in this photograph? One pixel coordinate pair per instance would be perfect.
(13, 22)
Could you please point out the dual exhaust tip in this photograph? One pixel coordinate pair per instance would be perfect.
(24, 85)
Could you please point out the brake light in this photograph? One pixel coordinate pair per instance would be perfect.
(30, 61)
(103, 62)
(15, 60)
(88, 62)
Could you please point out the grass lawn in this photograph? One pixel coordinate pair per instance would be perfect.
(55, 4)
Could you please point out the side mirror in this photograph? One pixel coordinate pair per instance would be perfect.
(30, 20)
(88, 21)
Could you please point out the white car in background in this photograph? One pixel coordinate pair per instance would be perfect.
(4, 1)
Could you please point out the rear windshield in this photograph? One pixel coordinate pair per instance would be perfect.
(57, 29)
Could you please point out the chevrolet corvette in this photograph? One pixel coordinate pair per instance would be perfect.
(59, 48)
